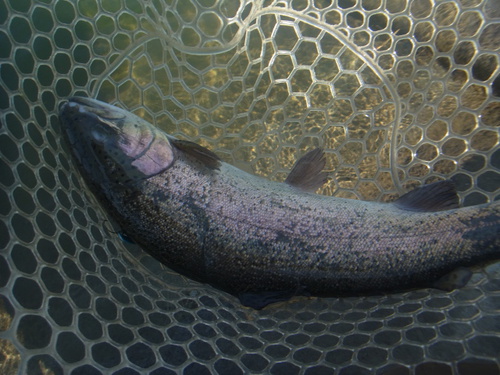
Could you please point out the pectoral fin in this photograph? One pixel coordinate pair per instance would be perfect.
(439, 196)
(307, 174)
(199, 153)
(125, 238)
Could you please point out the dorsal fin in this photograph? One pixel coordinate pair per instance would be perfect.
(307, 174)
(439, 196)
(200, 153)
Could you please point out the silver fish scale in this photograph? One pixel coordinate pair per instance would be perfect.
(398, 93)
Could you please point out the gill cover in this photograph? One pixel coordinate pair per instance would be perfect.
(137, 148)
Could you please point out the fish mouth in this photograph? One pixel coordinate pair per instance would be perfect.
(88, 102)
(90, 106)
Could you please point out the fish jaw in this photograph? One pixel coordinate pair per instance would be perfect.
(109, 142)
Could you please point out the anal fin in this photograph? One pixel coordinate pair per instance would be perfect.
(308, 172)
(456, 279)
(259, 300)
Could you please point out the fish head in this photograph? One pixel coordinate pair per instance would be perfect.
(111, 144)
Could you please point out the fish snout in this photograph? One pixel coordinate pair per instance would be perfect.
(95, 107)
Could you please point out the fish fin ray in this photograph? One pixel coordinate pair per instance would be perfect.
(259, 300)
(456, 279)
(125, 238)
(438, 196)
(308, 172)
(200, 153)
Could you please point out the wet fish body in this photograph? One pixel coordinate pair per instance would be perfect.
(252, 237)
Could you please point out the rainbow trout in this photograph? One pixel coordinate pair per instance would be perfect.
(265, 241)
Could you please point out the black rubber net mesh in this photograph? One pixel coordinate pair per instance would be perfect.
(398, 93)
